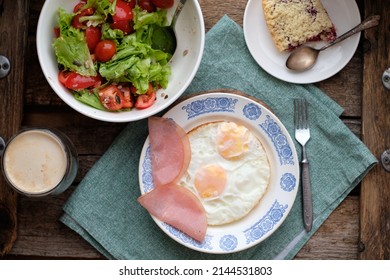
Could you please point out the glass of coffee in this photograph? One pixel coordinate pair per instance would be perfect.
(39, 161)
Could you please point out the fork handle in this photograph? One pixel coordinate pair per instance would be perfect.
(307, 198)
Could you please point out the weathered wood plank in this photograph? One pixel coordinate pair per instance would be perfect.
(375, 190)
(42, 235)
(337, 238)
(13, 38)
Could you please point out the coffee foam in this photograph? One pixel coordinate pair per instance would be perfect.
(35, 162)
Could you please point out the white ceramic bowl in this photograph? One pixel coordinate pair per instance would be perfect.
(185, 62)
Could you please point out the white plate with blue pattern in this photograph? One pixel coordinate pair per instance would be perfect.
(274, 207)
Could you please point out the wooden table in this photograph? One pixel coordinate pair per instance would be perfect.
(29, 228)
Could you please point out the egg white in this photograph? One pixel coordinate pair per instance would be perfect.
(247, 175)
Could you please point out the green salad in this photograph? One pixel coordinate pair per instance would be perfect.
(105, 54)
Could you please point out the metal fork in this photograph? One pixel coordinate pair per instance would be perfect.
(302, 135)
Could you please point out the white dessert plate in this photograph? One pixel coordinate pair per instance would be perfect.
(344, 14)
(274, 207)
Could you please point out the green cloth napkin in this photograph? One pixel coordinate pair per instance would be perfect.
(104, 210)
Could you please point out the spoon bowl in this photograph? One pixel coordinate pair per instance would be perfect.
(164, 37)
(304, 57)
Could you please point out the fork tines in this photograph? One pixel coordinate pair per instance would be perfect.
(301, 116)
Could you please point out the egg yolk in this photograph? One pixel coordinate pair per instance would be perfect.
(232, 140)
(210, 180)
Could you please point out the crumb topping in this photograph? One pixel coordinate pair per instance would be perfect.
(295, 22)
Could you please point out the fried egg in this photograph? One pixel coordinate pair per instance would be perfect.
(229, 170)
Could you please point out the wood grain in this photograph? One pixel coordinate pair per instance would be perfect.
(336, 238)
(41, 235)
(13, 38)
(375, 190)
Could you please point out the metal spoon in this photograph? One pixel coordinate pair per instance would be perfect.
(304, 57)
(164, 37)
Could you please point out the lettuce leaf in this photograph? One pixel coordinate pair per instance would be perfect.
(71, 47)
(89, 98)
(136, 61)
(142, 18)
(103, 8)
(139, 64)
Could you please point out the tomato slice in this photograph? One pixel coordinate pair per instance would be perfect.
(128, 98)
(93, 35)
(57, 32)
(132, 3)
(125, 25)
(123, 16)
(76, 22)
(63, 76)
(146, 100)
(147, 5)
(105, 50)
(123, 11)
(79, 6)
(111, 98)
(75, 81)
(76, 19)
(163, 4)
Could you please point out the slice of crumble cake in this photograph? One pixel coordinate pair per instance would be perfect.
(295, 22)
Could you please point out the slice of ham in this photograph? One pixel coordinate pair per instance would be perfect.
(169, 149)
(178, 207)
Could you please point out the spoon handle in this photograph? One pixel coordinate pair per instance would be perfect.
(369, 22)
(179, 7)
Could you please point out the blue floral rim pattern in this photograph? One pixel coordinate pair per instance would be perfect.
(279, 139)
(266, 223)
(275, 210)
(210, 105)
